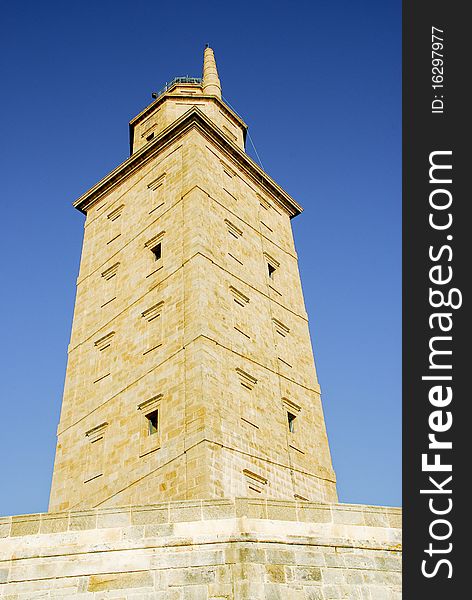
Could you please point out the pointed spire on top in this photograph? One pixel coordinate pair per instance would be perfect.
(211, 81)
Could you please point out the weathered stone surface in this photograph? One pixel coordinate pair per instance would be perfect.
(5, 526)
(54, 523)
(83, 520)
(25, 525)
(150, 515)
(305, 575)
(115, 581)
(237, 558)
(275, 573)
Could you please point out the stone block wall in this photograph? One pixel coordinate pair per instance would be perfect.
(238, 549)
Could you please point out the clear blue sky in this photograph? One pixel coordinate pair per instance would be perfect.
(318, 84)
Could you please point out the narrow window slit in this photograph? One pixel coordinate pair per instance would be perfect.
(153, 422)
(157, 251)
(291, 422)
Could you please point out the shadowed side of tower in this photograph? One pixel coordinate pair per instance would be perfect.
(190, 371)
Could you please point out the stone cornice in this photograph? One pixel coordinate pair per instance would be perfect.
(193, 118)
(155, 106)
(194, 97)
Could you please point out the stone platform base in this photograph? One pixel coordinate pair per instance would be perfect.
(238, 549)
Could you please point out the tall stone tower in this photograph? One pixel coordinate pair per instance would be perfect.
(191, 434)
(190, 371)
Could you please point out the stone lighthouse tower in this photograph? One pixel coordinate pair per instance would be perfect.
(192, 461)
(190, 371)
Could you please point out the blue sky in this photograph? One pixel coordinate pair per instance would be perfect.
(318, 84)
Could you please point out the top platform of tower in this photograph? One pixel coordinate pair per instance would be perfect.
(182, 94)
(183, 102)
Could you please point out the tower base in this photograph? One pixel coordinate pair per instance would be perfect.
(234, 549)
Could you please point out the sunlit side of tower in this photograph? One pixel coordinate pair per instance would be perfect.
(190, 371)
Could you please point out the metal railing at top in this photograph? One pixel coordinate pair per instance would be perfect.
(176, 80)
